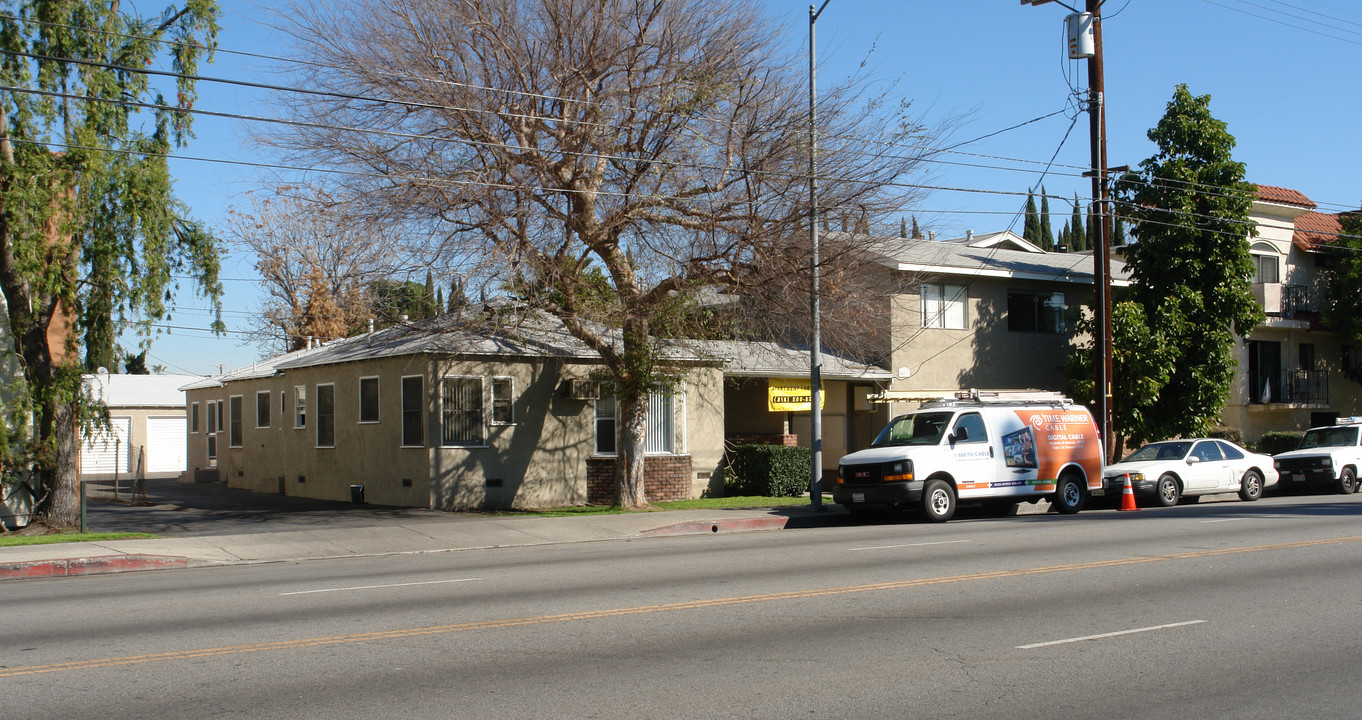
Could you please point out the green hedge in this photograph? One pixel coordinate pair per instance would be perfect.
(769, 471)
(1278, 442)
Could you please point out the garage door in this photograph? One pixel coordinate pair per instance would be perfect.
(105, 451)
(166, 445)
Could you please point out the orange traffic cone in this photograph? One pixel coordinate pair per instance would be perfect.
(1128, 496)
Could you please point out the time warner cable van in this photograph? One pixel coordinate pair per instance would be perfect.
(998, 447)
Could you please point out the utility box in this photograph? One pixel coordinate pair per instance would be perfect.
(1078, 27)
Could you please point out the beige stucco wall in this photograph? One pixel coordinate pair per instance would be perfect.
(538, 460)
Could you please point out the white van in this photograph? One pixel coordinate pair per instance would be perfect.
(1001, 448)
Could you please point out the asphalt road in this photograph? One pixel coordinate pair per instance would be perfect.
(1243, 610)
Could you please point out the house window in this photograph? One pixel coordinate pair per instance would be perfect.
(234, 433)
(262, 409)
(461, 411)
(503, 408)
(413, 424)
(219, 411)
(606, 422)
(299, 406)
(1307, 356)
(943, 306)
(1036, 312)
(326, 415)
(1266, 269)
(194, 418)
(368, 400)
(212, 418)
(660, 437)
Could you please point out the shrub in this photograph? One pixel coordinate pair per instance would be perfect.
(1227, 433)
(769, 470)
(1278, 442)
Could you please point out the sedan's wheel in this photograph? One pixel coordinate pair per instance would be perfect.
(1168, 491)
(1069, 494)
(1251, 487)
(1347, 481)
(938, 501)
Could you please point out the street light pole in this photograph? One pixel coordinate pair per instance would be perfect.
(815, 344)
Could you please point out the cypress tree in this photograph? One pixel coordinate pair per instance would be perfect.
(1079, 240)
(1047, 238)
(1031, 229)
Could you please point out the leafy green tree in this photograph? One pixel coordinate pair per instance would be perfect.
(1031, 227)
(1118, 230)
(136, 364)
(1047, 238)
(86, 193)
(917, 233)
(1343, 308)
(1190, 272)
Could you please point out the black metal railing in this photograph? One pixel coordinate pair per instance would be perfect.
(1305, 386)
(1295, 300)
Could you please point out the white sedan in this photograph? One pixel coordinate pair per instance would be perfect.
(1175, 469)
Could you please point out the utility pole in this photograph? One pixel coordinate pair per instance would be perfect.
(1101, 209)
(815, 344)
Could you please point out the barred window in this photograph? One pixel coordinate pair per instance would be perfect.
(461, 411)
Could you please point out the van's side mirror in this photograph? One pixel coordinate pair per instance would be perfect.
(961, 434)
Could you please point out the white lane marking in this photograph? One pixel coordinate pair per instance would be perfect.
(890, 547)
(1222, 520)
(374, 587)
(1110, 634)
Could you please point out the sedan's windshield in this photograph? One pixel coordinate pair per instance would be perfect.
(1330, 437)
(1160, 451)
(917, 429)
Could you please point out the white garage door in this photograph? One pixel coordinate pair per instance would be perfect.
(106, 450)
(166, 444)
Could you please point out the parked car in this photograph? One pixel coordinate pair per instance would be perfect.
(1326, 456)
(1171, 470)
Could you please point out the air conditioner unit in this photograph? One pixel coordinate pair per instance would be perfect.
(583, 389)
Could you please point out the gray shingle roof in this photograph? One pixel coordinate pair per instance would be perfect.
(149, 391)
(952, 258)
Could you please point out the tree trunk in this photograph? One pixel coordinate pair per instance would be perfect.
(62, 509)
(630, 492)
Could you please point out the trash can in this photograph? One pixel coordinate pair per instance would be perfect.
(357, 494)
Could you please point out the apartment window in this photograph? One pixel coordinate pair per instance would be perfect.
(1266, 269)
(503, 405)
(368, 400)
(1307, 356)
(943, 306)
(234, 432)
(326, 415)
(1036, 312)
(221, 426)
(212, 418)
(413, 424)
(461, 411)
(262, 409)
(660, 436)
(300, 406)
(194, 418)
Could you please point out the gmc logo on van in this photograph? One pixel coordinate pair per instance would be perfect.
(861, 474)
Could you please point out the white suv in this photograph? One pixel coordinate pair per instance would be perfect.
(1327, 456)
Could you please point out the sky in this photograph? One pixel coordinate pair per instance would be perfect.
(1282, 75)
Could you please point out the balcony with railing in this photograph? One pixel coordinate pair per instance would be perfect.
(1293, 387)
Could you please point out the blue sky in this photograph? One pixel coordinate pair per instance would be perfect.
(1282, 75)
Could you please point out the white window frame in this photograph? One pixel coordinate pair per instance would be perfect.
(266, 404)
(662, 423)
(481, 440)
(420, 409)
(299, 407)
(377, 400)
(317, 399)
(941, 303)
(510, 400)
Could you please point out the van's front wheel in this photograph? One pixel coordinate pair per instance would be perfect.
(938, 501)
(1069, 494)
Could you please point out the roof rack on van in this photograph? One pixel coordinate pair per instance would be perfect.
(937, 398)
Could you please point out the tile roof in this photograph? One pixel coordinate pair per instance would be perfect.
(1314, 230)
(1287, 196)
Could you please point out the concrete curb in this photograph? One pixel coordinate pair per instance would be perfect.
(705, 527)
(88, 566)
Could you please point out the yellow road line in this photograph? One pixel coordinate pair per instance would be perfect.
(644, 609)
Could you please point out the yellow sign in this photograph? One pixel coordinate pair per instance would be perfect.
(792, 396)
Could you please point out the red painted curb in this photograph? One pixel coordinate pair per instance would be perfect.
(700, 527)
(88, 566)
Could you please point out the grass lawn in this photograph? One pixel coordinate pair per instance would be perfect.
(9, 540)
(748, 501)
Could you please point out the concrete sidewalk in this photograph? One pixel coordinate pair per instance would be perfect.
(440, 533)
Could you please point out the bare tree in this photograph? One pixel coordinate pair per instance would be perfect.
(317, 260)
(659, 145)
